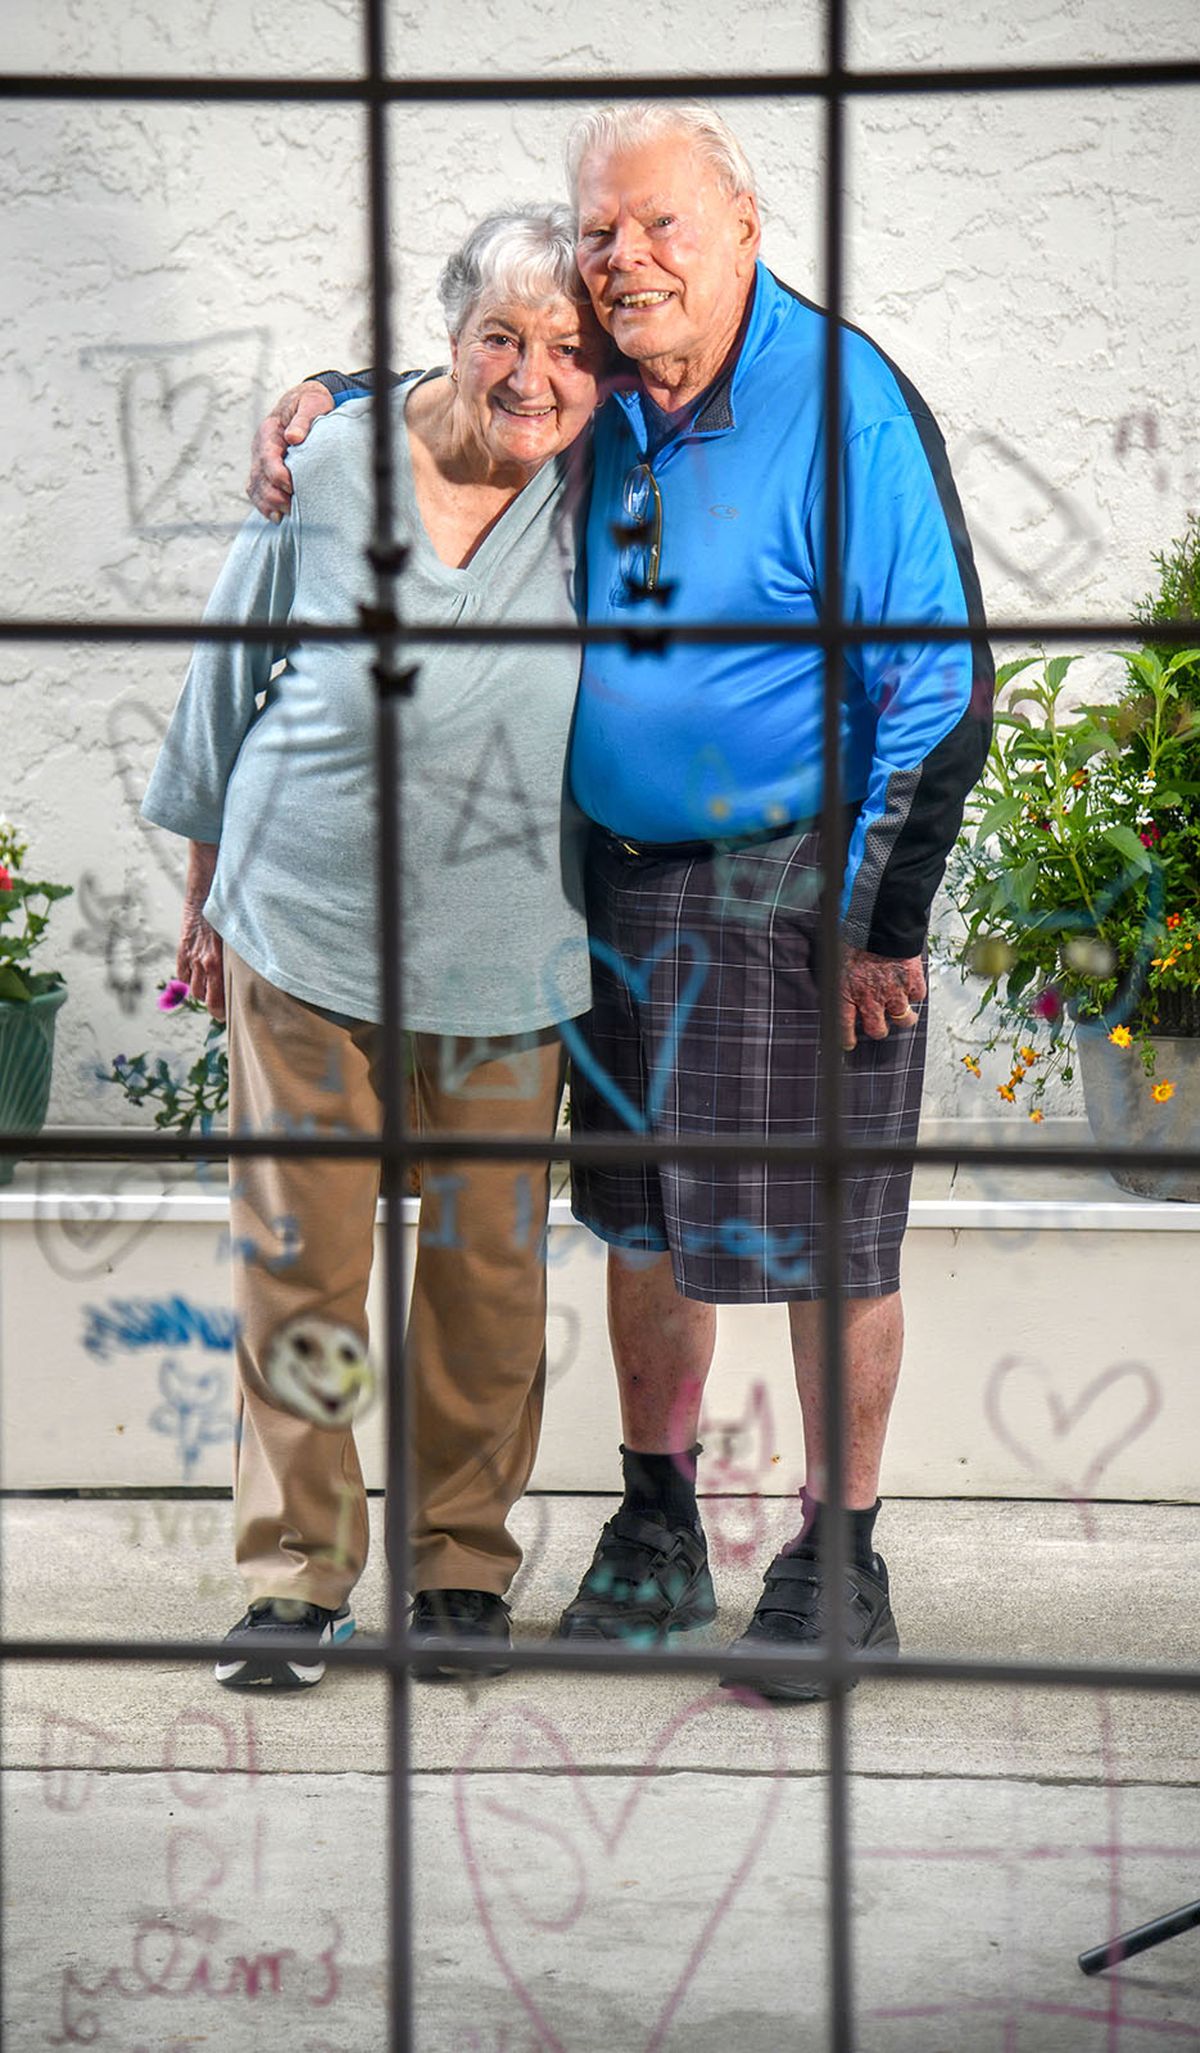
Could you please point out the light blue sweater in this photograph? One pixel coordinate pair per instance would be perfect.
(279, 770)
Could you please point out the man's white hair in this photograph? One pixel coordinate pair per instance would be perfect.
(627, 127)
(523, 254)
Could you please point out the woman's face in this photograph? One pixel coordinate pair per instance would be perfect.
(527, 377)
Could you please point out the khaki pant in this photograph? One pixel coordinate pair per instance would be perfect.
(303, 1236)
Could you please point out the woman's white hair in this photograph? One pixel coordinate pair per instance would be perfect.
(609, 129)
(524, 254)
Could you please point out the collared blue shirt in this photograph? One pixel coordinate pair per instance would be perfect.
(704, 742)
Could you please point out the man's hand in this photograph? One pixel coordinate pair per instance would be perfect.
(200, 962)
(880, 991)
(291, 417)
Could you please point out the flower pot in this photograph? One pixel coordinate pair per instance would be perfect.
(26, 1060)
(1122, 1113)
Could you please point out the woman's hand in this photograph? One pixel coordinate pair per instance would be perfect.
(200, 962)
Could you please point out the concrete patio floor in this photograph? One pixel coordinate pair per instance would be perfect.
(602, 1864)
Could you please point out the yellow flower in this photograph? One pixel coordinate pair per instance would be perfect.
(1120, 1037)
(1037, 1117)
(1028, 1056)
(1165, 961)
(1018, 1075)
(1161, 1092)
(969, 1062)
(1007, 1092)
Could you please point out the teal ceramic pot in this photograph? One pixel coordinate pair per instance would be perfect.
(1122, 1113)
(26, 1062)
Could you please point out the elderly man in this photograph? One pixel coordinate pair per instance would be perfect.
(701, 768)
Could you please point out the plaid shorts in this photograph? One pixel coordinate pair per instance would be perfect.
(705, 1022)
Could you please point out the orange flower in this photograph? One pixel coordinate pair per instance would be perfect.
(1165, 961)
(1174, 919)
(1037, 1117)
(1028, 1056)
(1120, 1037)
(1018, 1075)
(1007, 1092)
(969, 1062)
(1079, 779)
(1161, 1092)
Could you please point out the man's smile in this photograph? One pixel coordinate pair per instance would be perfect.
(640, 299)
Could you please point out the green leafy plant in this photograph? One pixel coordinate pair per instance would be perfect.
(24, 915)
(1078, 871)
(197, 1096)
(1177, 595)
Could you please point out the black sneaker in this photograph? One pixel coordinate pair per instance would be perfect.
(792, 1613)
(648, 1577)
(445, 1619)
(253, 1665)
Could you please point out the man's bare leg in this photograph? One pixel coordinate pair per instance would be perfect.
(874, 1343)
(791, 1610)
(649, 1576)
(662, 1346)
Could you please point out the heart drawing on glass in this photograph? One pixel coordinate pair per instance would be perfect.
(638, 982)
(163, 421)
(1078, 1435)
(82, 1232)
(547, 1865)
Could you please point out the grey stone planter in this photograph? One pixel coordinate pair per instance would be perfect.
(1122, 1113)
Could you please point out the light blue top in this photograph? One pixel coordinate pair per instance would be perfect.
(279, 770)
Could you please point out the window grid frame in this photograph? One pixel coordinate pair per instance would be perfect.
(383, 628)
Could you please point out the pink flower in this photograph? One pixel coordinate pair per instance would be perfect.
(5, 878)
(173, 995)
(1047, 1004)
(1149, 835)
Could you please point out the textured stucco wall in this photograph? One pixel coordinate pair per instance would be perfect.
(1028, 260)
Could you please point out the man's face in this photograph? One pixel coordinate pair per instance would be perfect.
(666, 254)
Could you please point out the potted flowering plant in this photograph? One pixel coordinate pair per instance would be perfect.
(1078, 879)
(200, 1095)
(29, 999)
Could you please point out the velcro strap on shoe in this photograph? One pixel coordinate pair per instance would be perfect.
(794, 1568)
(641, 1532)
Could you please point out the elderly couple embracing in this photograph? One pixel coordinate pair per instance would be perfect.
(621, 862)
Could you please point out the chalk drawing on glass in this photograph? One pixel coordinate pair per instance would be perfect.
(320, 1370)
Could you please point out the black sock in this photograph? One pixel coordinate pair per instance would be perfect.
(665, 1483)
(860, 1540)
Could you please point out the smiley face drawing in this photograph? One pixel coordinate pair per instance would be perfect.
(320, 1371)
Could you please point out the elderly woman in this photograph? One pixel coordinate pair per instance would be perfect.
(269, 773)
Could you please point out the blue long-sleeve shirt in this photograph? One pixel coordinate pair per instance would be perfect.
(697, 741)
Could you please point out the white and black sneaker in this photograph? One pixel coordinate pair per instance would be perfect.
(253, 1665)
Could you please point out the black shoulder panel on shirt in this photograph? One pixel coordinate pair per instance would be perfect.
(337, 382)
(896, 918)
(923, 830)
